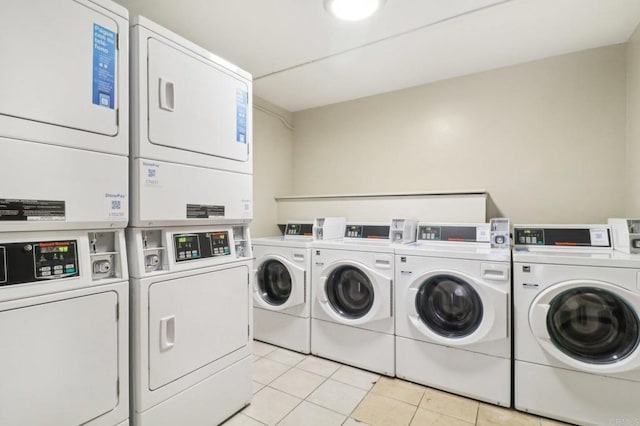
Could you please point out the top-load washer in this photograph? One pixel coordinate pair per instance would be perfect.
(64, 115)
(191, 324)
(352, 318)
(453, 303)
(64, 328)
(576, 325)
(191, 139)
(282, 291)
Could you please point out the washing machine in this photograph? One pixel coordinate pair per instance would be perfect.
(352, 315)
(191, 324)
(64, 328)
(64, 115)
(576, 325)
(453, 297)
(282, 292)
(191, 138)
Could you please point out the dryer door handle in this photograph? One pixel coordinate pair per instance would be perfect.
(167, 95)
(167, 333)
(494, 271)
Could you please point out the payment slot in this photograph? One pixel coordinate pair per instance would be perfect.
(626, 235)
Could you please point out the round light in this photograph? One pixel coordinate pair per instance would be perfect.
(352, 10)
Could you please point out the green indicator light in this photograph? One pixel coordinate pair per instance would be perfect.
(182, 239)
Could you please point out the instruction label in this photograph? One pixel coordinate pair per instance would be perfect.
(203, 211)
(242, 101)
(104, 66)
(19, 210)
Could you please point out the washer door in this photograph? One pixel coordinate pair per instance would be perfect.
(456, 310)
(352, 293)
(589, 325)
(279, 283)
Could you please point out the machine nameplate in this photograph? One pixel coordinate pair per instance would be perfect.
(203, 211)
(19, 210)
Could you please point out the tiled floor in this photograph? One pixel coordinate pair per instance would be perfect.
(294, 389)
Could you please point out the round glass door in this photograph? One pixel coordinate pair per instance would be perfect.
(350, 292)
(274, 282)
(592, 325)
(449, 306)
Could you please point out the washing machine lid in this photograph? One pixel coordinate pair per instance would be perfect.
(455, 309)
(279, 283)
(352, 293)
(590, 325)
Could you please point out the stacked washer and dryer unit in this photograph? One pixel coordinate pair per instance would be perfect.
(189, 245)
(282, 292)
(352, 315)
(453, 309)
(577, 322)
(64, 137)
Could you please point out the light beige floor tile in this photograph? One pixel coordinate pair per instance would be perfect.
(262, 349)
(269, 406)
(399, 389)
(379, 410)
(494, 415)
(257, 386)
(242, 420)
(265, 370)
(337, 396)
(285, 356)
(353, 422)
(297, 382)
(254, 358)
(311, 415)
(450, 405)
(431, 418)
(320, 366)
(355, 377)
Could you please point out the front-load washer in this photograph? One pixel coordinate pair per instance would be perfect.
(191, 138)
(453, 297)
(282, 290)
(191, 335)
(64, 115)
(64, 328)
(352, 318)
(576, 325)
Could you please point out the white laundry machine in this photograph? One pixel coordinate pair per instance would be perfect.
(64, 115)
(190, 323)
(282, 291)
(352, 319)
(191, 139)
(64, 328)
(576, 325)
(453, 297)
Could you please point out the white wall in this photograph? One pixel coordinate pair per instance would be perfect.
(633, 125)
(546, 139)
(272, 167)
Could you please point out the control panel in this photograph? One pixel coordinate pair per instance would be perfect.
(38, 261)
(201, 245)
(454, 233)
(564, 237)
(377, 232)
(299, 230)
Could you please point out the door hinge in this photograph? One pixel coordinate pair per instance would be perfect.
(118, 387)
(117, 41)
(305, 286)
(117, 311)
(248, 330)
(391, 294)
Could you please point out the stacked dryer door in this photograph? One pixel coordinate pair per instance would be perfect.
(576, 325)
(352, 311)
(282, 292)
(191, 151)
(64, 122)
(191, 324)
(64, 328)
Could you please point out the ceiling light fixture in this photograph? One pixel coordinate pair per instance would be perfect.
(352, 10)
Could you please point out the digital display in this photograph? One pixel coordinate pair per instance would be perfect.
(187, 247)
(55, 259)
(202, 245)
(64, 249)
(567, 237)
(305, 229)
(429, 233)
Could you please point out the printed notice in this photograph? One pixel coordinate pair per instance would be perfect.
(242, 101)
(18, 210)
(104, 66)
(203, 211)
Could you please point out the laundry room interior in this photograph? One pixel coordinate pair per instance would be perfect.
(306, 213)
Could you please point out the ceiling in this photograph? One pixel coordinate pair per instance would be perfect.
(301, 57)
